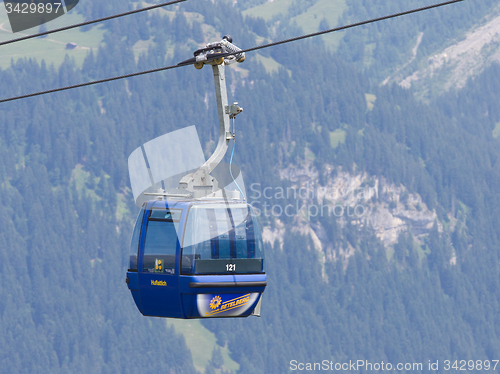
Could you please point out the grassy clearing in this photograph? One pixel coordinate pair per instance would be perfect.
(330, 10)
(269, 63)
(81, 177)
(464, 207)
(309, 21)
(171, 11)
(369, 49)
(122, 210)
(389, 253)
(269, 10)
(310, 156)
(337, 137)
(370, 101)
(242, 73)
(201, 343)
(52, 48)
(496, 131)
(422, 251)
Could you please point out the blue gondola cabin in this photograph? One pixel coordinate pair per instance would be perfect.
(197, 259)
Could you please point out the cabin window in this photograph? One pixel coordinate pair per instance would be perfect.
(160, 243)
(222, 238)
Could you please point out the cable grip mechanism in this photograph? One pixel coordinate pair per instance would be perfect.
(210, 54)
(233, 111)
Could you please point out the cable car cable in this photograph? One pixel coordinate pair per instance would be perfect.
(229, 54)
(221, 55)
(90, 22)
(89, 83)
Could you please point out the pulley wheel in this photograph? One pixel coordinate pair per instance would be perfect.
(198, 65)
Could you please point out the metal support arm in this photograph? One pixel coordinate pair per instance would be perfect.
(201, 183)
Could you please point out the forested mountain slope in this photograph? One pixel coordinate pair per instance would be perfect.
(67, 209)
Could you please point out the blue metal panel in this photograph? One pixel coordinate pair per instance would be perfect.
(160, 295)
(133, 280)
(133, 285)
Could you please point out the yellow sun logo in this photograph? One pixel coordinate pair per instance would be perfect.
(215, 302)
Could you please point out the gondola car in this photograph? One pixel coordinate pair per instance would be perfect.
(197, 259)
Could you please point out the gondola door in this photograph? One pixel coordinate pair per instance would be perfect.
(158, 264)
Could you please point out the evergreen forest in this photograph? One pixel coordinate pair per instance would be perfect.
(67, 210)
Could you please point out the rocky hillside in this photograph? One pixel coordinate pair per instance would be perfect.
(353, 199)
(454, 65)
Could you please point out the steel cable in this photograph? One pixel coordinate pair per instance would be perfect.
(229, 54)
